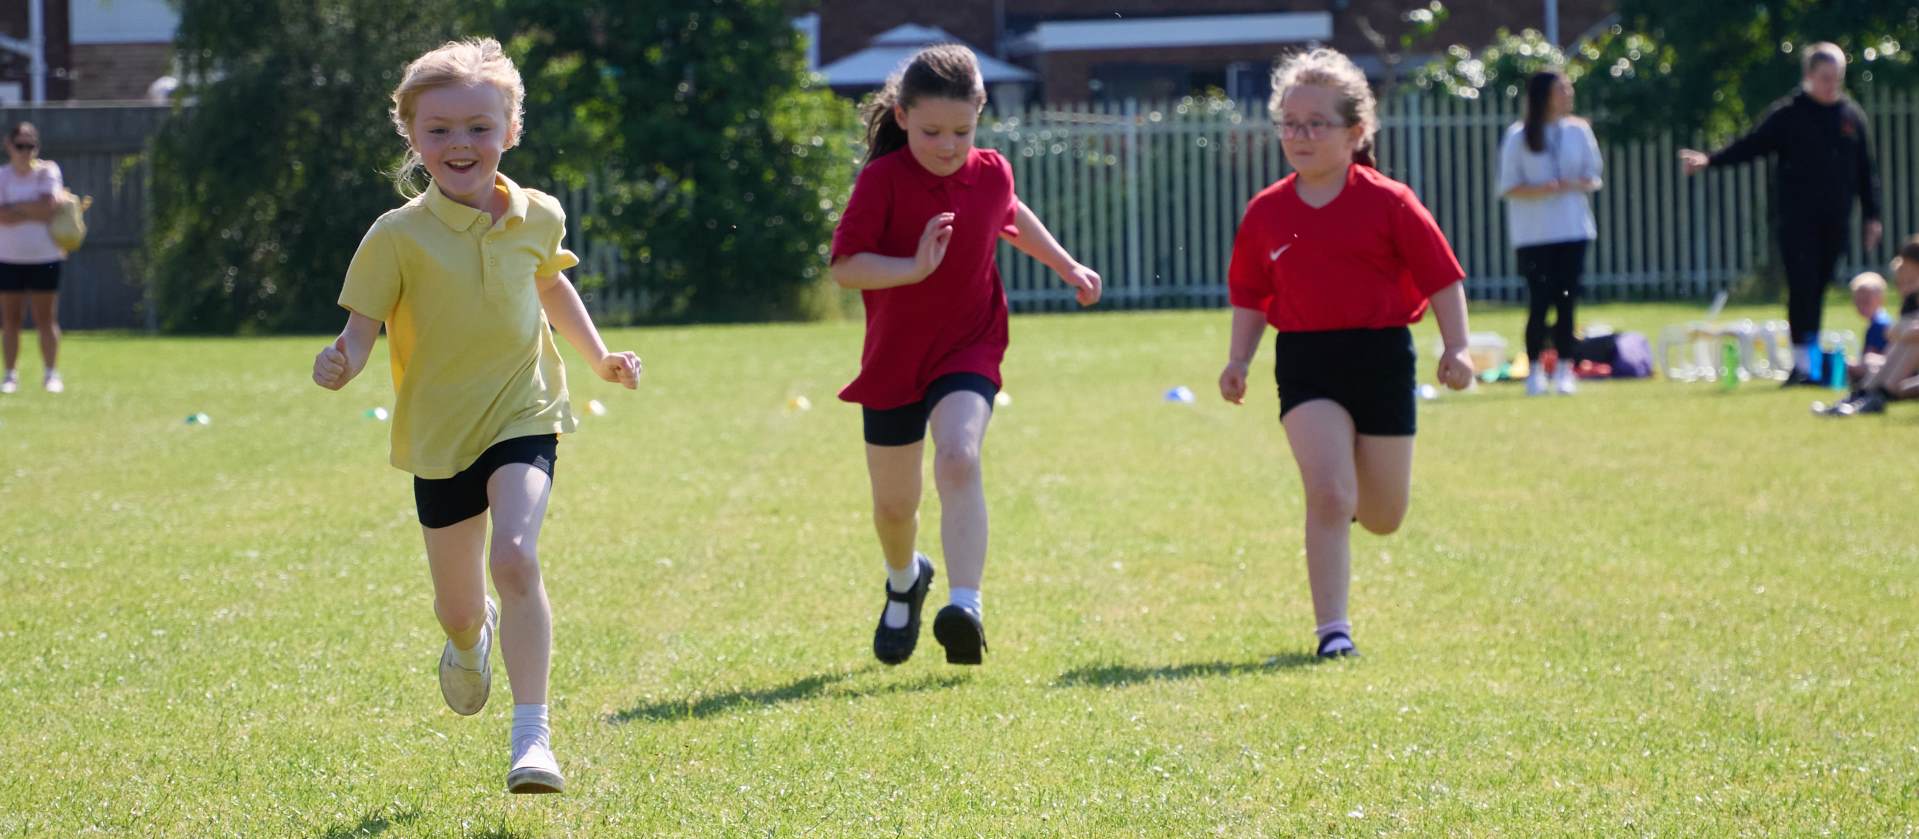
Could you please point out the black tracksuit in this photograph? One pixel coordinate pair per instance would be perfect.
(1824, 163)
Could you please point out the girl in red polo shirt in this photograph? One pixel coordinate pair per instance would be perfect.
(1340, 259)
(917, 240)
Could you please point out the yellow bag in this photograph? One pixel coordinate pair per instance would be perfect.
(69, 222)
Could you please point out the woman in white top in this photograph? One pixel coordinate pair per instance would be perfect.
(29, 259)
(1548, 165)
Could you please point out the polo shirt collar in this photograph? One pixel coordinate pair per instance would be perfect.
(967, 175)
(459, 216)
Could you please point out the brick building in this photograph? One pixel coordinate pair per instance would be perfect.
(95, 49)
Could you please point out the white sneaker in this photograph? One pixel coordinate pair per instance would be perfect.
(10, 384)
(466, 690)
(53, 383)
(1536, 382)
(1566, 384)
(534, 770)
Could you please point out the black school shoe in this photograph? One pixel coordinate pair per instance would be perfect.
(895, 646)
(959, 630)
(1343, 652)
(1798, 378)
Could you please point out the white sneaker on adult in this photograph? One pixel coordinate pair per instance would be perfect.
(466, 690)
(11, 383)
(534, 771)
(1536, 382)
(1565, 383)
(53, 383)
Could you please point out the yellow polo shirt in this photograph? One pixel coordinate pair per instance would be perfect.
(474, 361)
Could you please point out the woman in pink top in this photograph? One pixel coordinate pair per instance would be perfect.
(29, 260)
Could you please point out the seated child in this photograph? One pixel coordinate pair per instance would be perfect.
(1896, 377)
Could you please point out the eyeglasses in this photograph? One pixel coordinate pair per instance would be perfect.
(25, 146)
(1311, 129)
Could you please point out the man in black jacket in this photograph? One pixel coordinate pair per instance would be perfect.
(1825, 162)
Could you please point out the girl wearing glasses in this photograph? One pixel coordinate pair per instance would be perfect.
(29, 259)
(1340, 259)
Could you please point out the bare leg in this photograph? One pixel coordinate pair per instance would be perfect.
(895, 475)
(959, 431)
(518, 493)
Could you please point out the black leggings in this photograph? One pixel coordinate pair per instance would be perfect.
(1552, 280)
(1810, 249)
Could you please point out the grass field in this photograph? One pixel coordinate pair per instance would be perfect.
(1652, 609)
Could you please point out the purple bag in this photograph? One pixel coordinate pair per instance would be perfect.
(1632, 357)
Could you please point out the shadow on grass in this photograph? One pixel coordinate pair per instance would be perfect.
(799, 690)
(373, 825)
(1121, 675)
(498, 833)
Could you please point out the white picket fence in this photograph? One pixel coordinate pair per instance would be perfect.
(1150, 195)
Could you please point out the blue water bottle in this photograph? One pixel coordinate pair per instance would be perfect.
(1836, 376)
(1816, 370)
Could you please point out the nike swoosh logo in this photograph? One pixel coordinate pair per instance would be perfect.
(1274, 256)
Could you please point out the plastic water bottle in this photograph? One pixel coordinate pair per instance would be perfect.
(1836, 375)
(1728, 366)
(1817, 368)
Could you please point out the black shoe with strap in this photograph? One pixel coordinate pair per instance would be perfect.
(894, 646)
(1328, 650)
(961, 632)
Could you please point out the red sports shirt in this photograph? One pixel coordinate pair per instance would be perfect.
(954, 321)
(1367, 260)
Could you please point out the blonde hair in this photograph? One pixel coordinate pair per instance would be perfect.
(1868, 281)
(1824, 51)
(468, 62)
(1331, 69)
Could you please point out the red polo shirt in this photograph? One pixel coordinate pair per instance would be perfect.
(954, 321)
(1367, 260)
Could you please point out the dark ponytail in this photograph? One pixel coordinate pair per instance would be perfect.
(944, 71)
(1539, 100)
(1363, 154)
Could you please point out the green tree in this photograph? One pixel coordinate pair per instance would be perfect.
(262, 187)
(1696, 67)
(720, 164)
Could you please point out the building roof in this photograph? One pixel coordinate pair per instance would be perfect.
(1178, 31)
(890, 50)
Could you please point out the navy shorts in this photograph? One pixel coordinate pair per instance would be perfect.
(448, 501)
(906, 425)
(44, 277)
(1369, 372)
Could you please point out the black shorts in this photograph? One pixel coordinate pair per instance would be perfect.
(18, 278)
(906, 425)
(449, 501)
(1369, 372)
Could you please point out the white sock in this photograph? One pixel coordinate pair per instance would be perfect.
(1345, 627)
(967, 598)
(470, 658)
(1802, 357)
(901, 582)
(529, 726)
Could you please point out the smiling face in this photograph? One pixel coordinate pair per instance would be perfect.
(1317, 140)
(460, 132)
(939, 132)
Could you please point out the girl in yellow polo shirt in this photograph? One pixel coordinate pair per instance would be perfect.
(466, 278)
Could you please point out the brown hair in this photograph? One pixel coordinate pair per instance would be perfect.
(22, 127)
(1331, 69)
(1539, 98)
(942, 71)
(472, 61)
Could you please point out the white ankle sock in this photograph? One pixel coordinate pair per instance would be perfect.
(902, 579)
(1802, 357)
(470, 658)
(901, 582)
(1345, 627)
(529, 726)
(966, 598)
